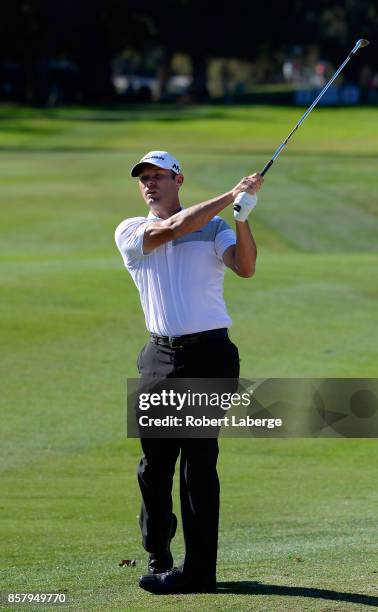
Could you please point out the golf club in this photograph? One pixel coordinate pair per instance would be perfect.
(360, 43)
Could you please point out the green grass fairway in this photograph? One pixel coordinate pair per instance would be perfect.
(298, 517)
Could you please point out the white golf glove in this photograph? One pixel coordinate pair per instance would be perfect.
(243, 205)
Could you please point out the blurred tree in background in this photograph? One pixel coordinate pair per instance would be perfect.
(52, 50)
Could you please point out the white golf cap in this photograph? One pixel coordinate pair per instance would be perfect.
(162, 159)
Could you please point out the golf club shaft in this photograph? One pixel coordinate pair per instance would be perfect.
(308, 111)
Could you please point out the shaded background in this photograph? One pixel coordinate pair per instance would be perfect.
(70, 52)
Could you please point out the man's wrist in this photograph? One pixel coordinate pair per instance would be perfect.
(241, 223)
(230, 195)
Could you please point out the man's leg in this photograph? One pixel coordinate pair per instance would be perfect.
(156, 469)
(155, 476)
(199, 483)
(199, 493)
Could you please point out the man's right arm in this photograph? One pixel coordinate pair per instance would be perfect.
(195, 217)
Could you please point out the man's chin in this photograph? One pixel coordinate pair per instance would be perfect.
(152, 199)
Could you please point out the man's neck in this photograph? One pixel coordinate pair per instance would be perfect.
(163, 211)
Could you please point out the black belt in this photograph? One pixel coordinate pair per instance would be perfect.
(180, 341)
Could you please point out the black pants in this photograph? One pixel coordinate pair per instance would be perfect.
(199, 483)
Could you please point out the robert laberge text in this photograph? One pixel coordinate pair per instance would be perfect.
(203, 421)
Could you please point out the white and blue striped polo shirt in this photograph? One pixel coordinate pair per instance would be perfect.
(181, 282)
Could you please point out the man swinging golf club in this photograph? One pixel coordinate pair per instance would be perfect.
(177, 259)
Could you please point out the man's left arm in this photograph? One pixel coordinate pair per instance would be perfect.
(241, 257)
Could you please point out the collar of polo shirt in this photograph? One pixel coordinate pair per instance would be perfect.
(152, 216)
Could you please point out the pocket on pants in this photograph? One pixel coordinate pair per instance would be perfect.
(235, 360)
(140, 359)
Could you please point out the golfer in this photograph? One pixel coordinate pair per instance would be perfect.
(177, 258)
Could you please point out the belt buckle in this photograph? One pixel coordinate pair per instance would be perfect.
(175, 342)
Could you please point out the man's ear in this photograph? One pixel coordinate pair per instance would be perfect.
(179, 179)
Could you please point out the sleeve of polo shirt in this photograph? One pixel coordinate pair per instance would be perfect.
(224, 238)
(129, 240)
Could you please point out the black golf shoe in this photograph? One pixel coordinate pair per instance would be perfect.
(174, 581)
(163, 561)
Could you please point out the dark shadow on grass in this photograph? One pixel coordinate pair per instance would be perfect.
(153, 112)
(245, 587)
(124, 114)
(219, 152)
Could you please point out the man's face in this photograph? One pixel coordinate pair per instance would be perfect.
(158, 185)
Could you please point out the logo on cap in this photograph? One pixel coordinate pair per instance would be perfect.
(154, 157)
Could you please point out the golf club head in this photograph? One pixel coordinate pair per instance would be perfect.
(360, 43)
